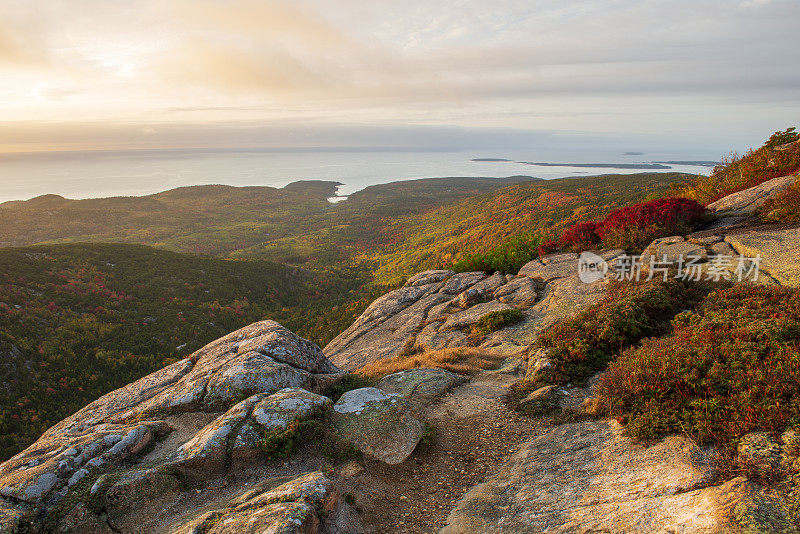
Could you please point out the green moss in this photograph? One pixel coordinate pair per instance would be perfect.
(348, 383)
(429, 435)
(760, 516)
(496, 320)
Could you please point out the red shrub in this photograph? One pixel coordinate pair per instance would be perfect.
(634, 227)
(548, 247)
(580, 236)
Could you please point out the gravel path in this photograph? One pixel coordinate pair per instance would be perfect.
(476, 433)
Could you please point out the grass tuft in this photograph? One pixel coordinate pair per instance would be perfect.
(466, 360)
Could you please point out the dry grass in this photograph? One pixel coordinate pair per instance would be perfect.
(466, 360)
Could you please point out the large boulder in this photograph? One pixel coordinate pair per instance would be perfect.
(237, 433)
(378, 424)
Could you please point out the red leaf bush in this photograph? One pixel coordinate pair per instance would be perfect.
(635, 227)
(548, 247)
(785, 207)
(731, 367)
(631, 228)
(580, 236)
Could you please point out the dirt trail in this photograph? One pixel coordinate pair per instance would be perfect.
(476, 432)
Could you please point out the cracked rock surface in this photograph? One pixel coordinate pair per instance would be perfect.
(104, 449)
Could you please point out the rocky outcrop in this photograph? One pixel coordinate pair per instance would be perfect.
(762, 256)
(236, 434)
(748, 201)
(144, 448)
(126, 451)
(587, 477)
(435, 310)
(297, 507)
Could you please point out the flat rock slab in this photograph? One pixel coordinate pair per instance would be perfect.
(749, 200)
(672, 249)
(779, 251)
(521, 291)
(587, 477)
(551, 267)
(421, 386)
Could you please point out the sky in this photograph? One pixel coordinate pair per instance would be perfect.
(133, 74)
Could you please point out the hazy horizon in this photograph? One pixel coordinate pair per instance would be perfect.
(81, 175)
(215, 74)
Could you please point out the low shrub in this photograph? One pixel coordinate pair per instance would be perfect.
(779, 156)
(730, 367)
(583, 345)
(784, 207)
(548, 247)
(466, 360)
(508, 257)
(429, 435)
(281, 443)
(579, 237)
(496, 320)
(632, 227)
(314, 428)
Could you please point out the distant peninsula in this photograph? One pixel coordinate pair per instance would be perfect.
(644, 166)
(701, 163)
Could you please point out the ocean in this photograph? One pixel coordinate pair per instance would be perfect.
(80, 175)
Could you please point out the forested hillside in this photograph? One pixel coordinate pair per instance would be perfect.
(510, 218)
(77, 321)
(295, 224)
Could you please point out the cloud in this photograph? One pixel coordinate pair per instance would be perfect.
(224, 67)
(574, 64)
(19, 48)
(254, 19)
